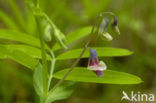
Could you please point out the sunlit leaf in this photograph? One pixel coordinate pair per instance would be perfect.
(81, 74)
(19, 36)
(29, 50)
(61, 92)
(24, 59)
(101, 52)
(18, 56)
(76, 35)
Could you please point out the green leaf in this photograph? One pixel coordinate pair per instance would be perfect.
(23, 59)
(78, 34)
(81, 74)
(8, 21)
(38, 80)
(29, 50)
(18, 56)
(61, 92)
(101, 52)
(19, 36)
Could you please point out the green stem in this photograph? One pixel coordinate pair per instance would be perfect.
(43, 51)
(74, 64)
(51, 68)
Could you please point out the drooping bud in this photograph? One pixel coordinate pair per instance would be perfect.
(103, 26)
(60, 37)
(115, 25)
(106, 36)
(93, 64)
(102, 30)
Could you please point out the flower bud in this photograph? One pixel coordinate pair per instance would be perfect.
(102, 30)
(106, 36)
(103, 26)
(115, 25)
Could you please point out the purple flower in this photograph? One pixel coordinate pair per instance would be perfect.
(94, 65)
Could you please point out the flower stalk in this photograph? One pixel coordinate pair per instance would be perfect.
(85, 47)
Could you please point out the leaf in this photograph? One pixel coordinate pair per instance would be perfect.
(29, 50)
(23, 59)
(19, 36)
(81, 74)
(101, 52)
(18, 56)
(78, 34)
(61, 92)
(8, 21)
(38, 80)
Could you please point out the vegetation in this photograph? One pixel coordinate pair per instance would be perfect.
(46, 50)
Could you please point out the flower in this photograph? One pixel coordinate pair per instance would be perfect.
(94, 65)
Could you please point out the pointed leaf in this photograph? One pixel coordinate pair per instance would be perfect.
(101, 52)
(29, 50)
(81, 74)
(61, 92)
(19, 37)
(18, 56)
(23, 58)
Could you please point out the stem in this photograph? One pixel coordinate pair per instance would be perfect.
(43, 51)
(74, 64)
(106, 13)
(51, 68)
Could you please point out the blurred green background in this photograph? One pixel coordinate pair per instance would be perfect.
(137, 22)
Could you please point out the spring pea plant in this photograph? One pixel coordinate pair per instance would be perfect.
(35, 53)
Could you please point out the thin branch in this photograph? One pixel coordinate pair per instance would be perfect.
(51, 68)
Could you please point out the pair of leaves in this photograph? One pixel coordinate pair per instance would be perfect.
(61, 92)
(72, 54)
